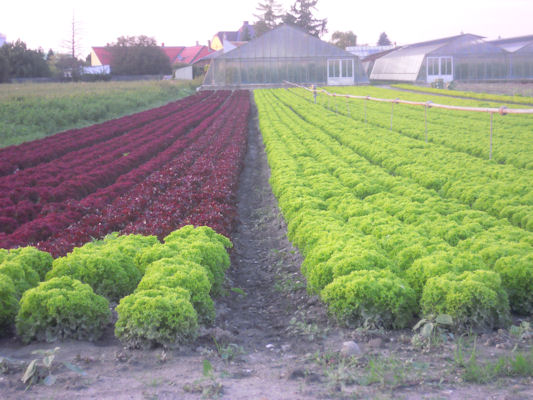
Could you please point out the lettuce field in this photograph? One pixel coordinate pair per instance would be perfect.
(394, 222)
(392, 227)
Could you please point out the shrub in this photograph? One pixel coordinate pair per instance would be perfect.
(157, 316)
(517, 278)
(8, 303)
(61, 308)
(371, 298)
(475, 300)
(180, 273)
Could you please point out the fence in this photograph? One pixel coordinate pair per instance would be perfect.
(428, 104)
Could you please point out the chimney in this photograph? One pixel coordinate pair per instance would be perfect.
(245, 23)
(209, 44)
(197, 44)
(163, 44)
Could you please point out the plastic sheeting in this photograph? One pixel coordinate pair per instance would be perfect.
(286, 53)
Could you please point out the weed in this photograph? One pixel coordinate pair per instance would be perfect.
(208, 385)
(522, 331)
(307, 330)
(386, 371)
(288, 285)
(474, 371)
(41, 369)
(239, 291)
(432, 331)
(229, 352)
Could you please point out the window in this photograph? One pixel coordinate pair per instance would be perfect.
(340, 68)
(347, 68)
(446, 66)
(433, 66)
(334, 68)
(440, 66)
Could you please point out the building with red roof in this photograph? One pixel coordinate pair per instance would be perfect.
(176, 54)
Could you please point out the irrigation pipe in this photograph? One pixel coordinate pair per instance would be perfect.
(427, 104)
(501, 110)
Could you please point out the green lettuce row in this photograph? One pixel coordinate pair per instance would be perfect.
(107, 265)
(178, 277)
(320, 234)
(20, 269)
(174, 295)
(458, 130)
(473, 95)
(442, 218)
(503, 191)
(62, 308)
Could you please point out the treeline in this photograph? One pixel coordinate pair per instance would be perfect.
(138, 55)
(17, 61)
(130, 55)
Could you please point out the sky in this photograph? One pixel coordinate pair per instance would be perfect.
(48, 24)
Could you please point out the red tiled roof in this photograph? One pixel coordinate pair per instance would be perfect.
(190, 54)
(172, 52)
(181, 54)
(103, 55)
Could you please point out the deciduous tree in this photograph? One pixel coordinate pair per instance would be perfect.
(344, 39)
(138, 55)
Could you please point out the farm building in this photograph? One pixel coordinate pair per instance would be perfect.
(465, 57)
(286, 53)
(176, 54)
(520, 56)
(221, 39)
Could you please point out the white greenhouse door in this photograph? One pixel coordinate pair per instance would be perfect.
(340, 72)
(439, 68)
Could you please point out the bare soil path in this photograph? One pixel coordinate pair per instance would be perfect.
(271, 340)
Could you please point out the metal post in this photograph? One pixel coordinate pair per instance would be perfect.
(426, 121)
(490, 150)
(391, 114)
(347, 107)
(366, 100)
(428, 105)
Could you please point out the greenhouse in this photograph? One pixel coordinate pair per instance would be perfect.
(465, 57)
(286, 53)
(520, 56)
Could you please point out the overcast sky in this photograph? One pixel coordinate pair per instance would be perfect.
(47, 24)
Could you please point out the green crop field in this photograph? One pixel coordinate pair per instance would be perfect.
(33, 110)
(392, 227)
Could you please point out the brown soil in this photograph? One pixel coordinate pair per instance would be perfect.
(271, 339)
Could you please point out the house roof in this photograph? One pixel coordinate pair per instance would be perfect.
(237, 36)
(192, 54)
(183, 54)
(103, 55)
(172, 52)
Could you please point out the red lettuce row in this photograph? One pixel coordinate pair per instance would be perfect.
(32, 153)
(191, 180)
(26, 203)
